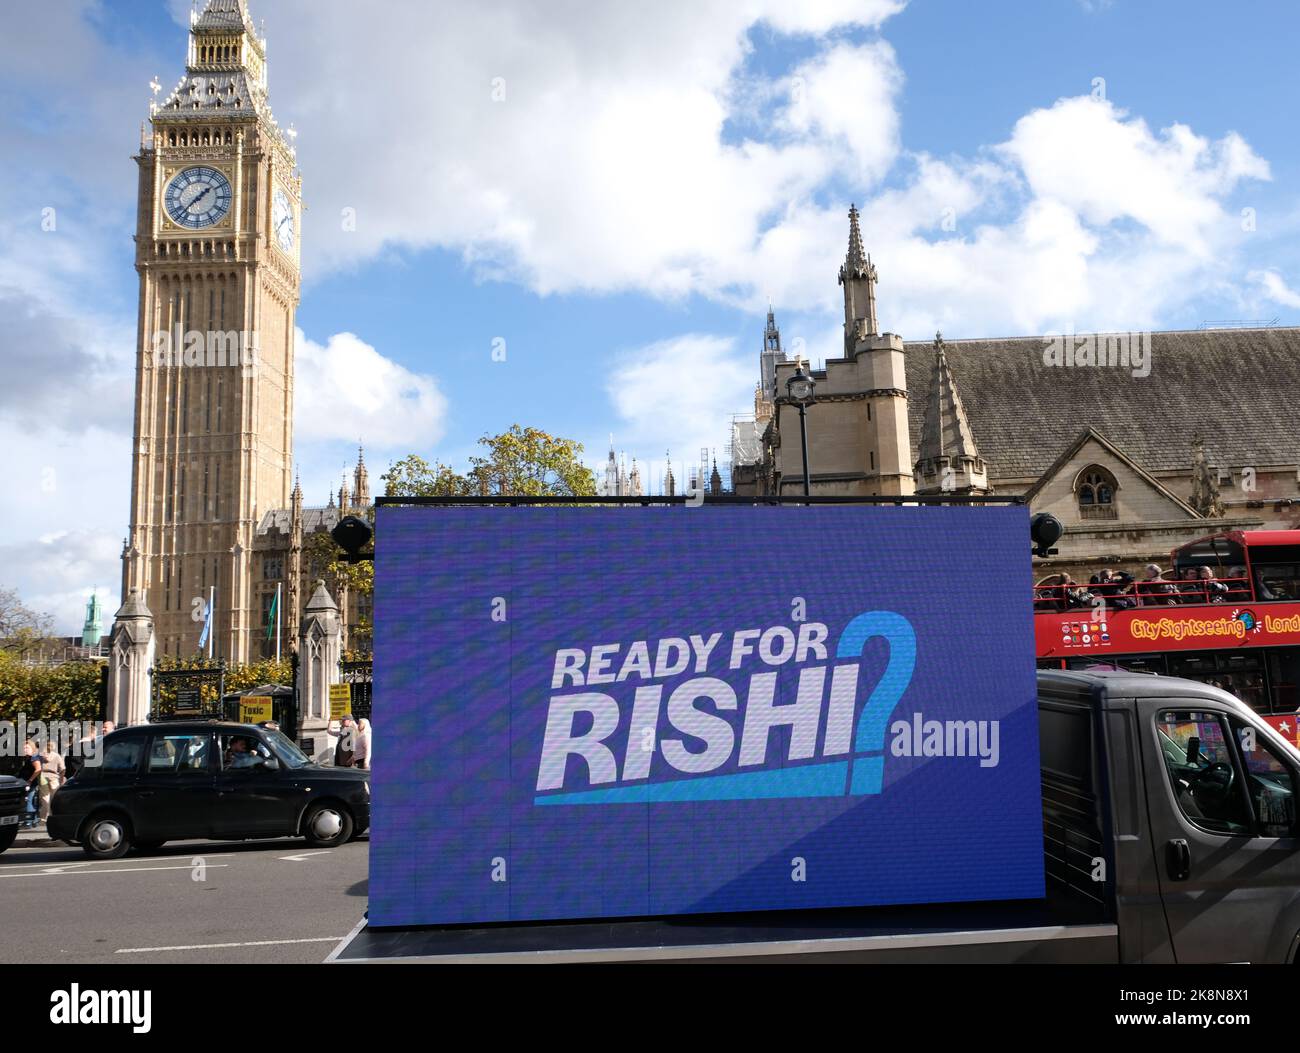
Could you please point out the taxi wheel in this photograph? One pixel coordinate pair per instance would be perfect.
(7, 835)
(105, 837)
(327, 825)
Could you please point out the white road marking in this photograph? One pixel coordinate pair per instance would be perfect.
(220, 946)
(308, 855)
(343, 944)
(122, 870)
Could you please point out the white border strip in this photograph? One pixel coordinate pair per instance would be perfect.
(342, 944)
(901, 941)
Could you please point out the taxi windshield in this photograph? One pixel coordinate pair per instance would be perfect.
(286, 749)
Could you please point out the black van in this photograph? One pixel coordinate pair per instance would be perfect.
(206, 779)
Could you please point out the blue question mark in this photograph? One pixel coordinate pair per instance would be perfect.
(869, 736)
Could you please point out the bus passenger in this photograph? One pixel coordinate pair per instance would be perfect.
(1155, 592)
(1215, 590)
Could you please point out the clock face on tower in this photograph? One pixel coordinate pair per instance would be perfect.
(282, 220)
(197, 197)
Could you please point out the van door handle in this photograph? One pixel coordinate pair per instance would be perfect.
(1178, 860)
(144, 793)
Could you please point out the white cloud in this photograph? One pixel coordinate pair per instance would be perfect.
(346, 388)
(847, 95)
(671, 394)
(56, 573)
(651, 149)
(1090, 156)
(1274, 287)
(1036, 234)
(607, 163)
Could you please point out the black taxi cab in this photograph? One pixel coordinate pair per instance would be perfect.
(183, 780)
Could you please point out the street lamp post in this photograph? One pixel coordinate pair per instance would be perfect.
(800, 388)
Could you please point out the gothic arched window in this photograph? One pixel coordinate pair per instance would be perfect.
(1095, 490)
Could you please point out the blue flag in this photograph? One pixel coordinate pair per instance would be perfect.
(207, 627)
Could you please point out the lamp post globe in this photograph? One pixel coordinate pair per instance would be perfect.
(800, 388)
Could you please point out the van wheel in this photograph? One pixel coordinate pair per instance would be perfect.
(105, 837)
(7, 836)
(327, 825)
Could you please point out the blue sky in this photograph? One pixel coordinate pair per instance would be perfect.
(652, 175)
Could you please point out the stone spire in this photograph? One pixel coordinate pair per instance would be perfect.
(858, 276)
(949, 460)
(715, 479)
(361, 480)
(1205, 483)
(345, 496)
(611, 486)
(772, 354)
(670, 484)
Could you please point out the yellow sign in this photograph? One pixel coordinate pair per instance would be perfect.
(340, 700)
(255, 709)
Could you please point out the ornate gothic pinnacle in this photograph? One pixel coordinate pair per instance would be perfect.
(857, 264)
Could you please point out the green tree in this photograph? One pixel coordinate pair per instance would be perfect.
(255, 674)
(520, 462)
(523, 462)
(528, 462)
(70, 691)
(23, 631)
(324, 561)
(413, 476)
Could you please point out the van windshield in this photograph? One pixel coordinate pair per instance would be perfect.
(286, 749)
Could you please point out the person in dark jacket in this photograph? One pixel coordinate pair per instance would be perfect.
(1122, 599)
(31, 775)
(1214, 590)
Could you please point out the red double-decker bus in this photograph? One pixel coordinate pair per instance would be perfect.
(1227, 613)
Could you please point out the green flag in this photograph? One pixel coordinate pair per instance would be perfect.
(270, 618)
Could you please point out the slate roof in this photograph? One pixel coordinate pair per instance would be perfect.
(281, 519)
(224, 14)
(1237, 388)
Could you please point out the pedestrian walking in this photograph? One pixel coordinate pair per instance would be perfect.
(30, 773)
(345, 749)
(361, 752)
(51, 778)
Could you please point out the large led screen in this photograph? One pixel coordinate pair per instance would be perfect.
(595, 712)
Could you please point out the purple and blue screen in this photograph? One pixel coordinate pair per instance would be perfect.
(598, 712)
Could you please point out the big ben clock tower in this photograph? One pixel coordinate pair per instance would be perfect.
(218, 256)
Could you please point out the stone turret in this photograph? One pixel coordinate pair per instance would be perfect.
(320, 645)
(949, 461)
(131, 655)
(858, 276)
(857, 422)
